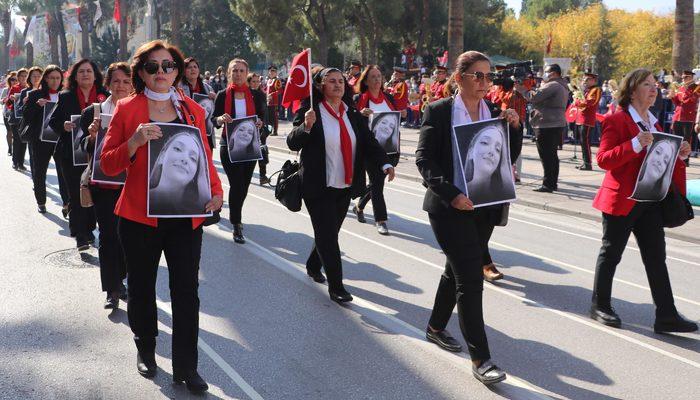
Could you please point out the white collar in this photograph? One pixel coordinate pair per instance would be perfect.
(173, 95)
(637, 118)
(484, 112)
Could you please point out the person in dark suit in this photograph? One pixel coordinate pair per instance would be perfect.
(40, 151)
(237, 101)
(82, 88)
(335, 141)
(461, 231)
(625, 140)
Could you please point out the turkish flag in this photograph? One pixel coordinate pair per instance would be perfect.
(299, 81)
(117, 11)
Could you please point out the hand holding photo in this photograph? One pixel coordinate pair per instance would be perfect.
(655, 175)
(178, 173)
(243, 140)
(482, 162)
(80, 157)
(47, 133)
(385, 127)
(98, 176)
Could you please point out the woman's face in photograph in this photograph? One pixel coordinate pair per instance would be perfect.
(245, 133)
(658, 161)
(487, 152)
(180, 161)
(384, 129)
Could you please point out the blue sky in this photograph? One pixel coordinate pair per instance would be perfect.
(657, 6)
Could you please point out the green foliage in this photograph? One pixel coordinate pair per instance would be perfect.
(541, 9)
(106, 47)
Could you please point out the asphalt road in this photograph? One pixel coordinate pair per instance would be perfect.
(268, 332)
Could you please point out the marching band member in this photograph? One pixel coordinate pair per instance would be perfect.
(273, 89)
(586, 118)
(686, 101)
(398, 88)
(354, 74)
(437, 88)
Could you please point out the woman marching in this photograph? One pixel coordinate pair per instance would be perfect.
(104, 196)
(83, 87)
(193, 83)
(41, 151)
(625, 140)
(157, 68)
(335, 142)
(237, 101)
(370, 99)
(461, 231)
(254, 81)
(33, 80)
(13, 97)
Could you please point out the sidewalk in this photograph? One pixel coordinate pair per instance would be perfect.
(576, 188)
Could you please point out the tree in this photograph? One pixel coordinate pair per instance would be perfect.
(455, 29)
(541, 9)
(683, 50)
(175, 22)
(106, 47)
(28, 8)
(6, 23)
(123, 33)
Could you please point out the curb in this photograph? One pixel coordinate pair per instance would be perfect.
(531, 203)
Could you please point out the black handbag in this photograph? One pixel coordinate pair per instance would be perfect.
(288, 187)
(676, 210)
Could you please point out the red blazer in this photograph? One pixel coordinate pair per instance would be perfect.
(129, 113)
(616, 155)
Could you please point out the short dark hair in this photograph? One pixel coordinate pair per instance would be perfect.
(121, 66)
(72, 83)
(44, 85)
(141, 57)
(554, 68)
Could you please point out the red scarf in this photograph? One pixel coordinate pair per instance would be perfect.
(194, 89)
(366, 97)
(49, 93)
(92, 98)
(345, 141)
(228, 100)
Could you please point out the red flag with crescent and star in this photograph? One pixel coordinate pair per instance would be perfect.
(299, 82)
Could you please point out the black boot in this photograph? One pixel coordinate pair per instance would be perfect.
(146, 356)
(192, 379)
(238, 234)
(605, 315)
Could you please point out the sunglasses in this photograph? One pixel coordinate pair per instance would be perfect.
(480, 76)
(151, 67)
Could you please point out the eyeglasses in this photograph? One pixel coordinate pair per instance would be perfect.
(480, 76)
(151, 67)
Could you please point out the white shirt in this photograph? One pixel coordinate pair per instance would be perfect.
(239, 106)
(335, 169)
(107, 107)
(53, 97)
(381, 107)
(638, 119)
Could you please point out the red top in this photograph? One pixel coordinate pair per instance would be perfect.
(437, 89)
(616, 155)
(686, 102)
(400, 93)
(273, 88)
(588, 107)
(131, 112)
(9, 103)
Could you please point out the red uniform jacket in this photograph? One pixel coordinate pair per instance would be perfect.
(436, 88)
(131, 112)
(400, 93)
(273, 88)
(686, 102)
(588, 107)
(616, 155)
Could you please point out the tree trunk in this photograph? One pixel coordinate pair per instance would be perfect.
(84, 22)
(175, 22)
(363, 48)
(321, 55)
(123, 34)
(5, 51)
(683, 50)
(29, 51)
(455, 30)
(424, 28)
(53, 38)
(65, 63)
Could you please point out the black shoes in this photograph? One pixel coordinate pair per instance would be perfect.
(22, 168)
(444, 340)
(146, 364)
(122, 293)
(585, 167)
(543, 189)
(360, 214)
(341, 296)
(42, 209)
(264, 180)
(675, 323)
(316, 276)
(488, 373)
(112, 302)
(238, 234)
(605, 315)
(66, 211)
(83, 245)
(194, 382)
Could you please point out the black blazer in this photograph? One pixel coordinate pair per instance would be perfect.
(312, 145)
(34, 114)
(259, 100)
(68, 105)
(434, 155)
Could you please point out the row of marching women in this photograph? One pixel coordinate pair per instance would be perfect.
(133, 155)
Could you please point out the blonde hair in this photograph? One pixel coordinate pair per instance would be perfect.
(629, 84)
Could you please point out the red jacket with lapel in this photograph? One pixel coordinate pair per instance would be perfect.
(129, 113)
(616, 155)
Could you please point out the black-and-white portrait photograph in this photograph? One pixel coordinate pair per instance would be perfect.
(47, 133)
(19, 108)
(385, 127)
(80, 157)
(243, 140)
(208, 106)
(657, 168)
(178, 173)
(98, 176)
(483, 162)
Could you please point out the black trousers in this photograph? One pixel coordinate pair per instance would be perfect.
(112, 263)
(375, 192)
(484, 218)
(547, 141)
(41, 153)
(8, 135)
(516, 143)
(239, 176)
(462, 283)
(645, 222)
(273, 117)
(584, 135)
(82, 219)
(684, 129)
(182, 247)
(327, 214)
(19, 148)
